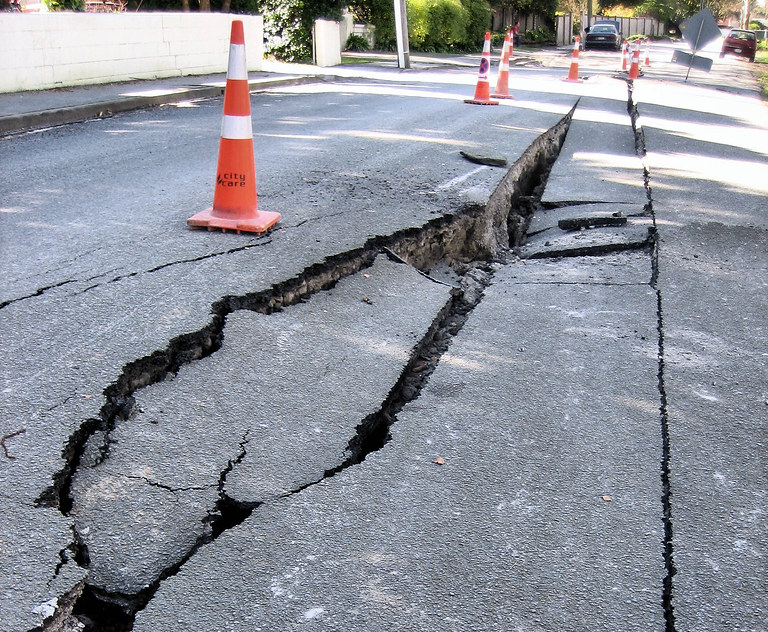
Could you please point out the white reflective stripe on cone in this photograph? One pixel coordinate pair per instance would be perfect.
(237, 68)
(236, 127)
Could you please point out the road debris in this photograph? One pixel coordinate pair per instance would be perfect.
(492, 160)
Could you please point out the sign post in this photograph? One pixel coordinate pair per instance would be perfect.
(698, 30)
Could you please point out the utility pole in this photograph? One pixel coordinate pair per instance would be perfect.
(401, 34)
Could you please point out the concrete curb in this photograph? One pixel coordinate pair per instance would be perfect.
(27, 121)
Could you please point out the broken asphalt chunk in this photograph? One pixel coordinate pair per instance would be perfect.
(583, 216)
(577, 223)
(586, 229)
(492, 160)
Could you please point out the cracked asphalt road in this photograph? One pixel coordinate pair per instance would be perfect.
(280, 388)
(195, 448)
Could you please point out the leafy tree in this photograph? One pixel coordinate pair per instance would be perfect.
(721, 9)
(380, 13)
(479, 19)
(670, 12)
(571, 6)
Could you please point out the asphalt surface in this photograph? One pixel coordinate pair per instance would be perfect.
(589, 452)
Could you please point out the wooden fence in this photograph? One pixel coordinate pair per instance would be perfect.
(629, 26)
(504, 18)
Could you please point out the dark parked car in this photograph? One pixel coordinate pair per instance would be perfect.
(602, 35)
(739, 42)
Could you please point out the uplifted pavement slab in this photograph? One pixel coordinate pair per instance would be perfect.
(598, 162)
(280, 403)
(520, 491)
(585, 229)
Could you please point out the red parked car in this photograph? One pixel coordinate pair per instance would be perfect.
(740, 42)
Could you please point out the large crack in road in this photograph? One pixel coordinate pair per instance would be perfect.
(458, 247)
(456, 252)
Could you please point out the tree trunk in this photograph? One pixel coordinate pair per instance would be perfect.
(205, 6)
(185, 5)
(225, 6)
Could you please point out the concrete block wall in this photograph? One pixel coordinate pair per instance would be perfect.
(50, 50)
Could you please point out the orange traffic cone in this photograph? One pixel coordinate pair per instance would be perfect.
(624, 57)
(634, 69)
(234, 198)
(502, 83)
(647, 52)
(483, 88)
(573, 73)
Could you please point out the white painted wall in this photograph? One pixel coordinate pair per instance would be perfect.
(49, 50)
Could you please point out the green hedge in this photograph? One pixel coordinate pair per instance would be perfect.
(541, 35)
(433, 25)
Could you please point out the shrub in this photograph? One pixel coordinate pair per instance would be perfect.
(356, 43)
(479, 22)
(418, 22)
(447, 25)
(541, 35)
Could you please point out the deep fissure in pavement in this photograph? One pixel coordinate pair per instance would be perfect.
(666, 492)
(466, 242)
(669, 560)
